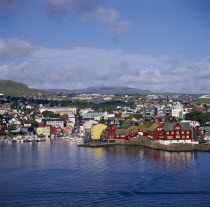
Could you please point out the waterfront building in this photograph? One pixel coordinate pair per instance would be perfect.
(122, 134)
(67, 130)
(96, 131)
(44, 130)
(170, 133)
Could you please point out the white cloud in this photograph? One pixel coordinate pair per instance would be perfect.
(85, 67)
(111, 18)
(89, 10)
(14, 47)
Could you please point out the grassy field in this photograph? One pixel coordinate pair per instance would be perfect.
(203, 101)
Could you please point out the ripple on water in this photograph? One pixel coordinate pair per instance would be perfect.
(58, 173)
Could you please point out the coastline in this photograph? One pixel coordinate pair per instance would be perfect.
(145, 142)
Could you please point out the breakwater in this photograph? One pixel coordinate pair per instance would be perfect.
(146, 142)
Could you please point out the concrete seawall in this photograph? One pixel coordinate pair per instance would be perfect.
(144, 141)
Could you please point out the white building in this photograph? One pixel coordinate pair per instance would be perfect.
(55, 122)
(60, 110)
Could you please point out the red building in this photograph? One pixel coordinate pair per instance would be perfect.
(2, 128)
(168, 133)
(110, 132)
(67, 130)
(7, 107)
(56, 130)
(113, 133)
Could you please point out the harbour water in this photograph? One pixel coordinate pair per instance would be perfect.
(59, 173)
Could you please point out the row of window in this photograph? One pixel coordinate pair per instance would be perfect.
(183, 132)
(55, 122)
(120, 135)
(178, 137)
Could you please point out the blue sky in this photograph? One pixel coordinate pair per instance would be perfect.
(161, 45)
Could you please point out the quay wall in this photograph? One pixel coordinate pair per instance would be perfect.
(146, 142)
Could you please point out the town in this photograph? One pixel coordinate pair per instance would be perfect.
(94, 118)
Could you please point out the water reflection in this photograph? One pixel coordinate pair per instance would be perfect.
(139, 155)
(36, 173)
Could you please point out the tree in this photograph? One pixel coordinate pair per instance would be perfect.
(135, 116)
(1, 117)
(34, 123)
(198, 116)
(50, 114)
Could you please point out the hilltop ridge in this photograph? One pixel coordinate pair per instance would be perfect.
(12, 88)
(105, 90)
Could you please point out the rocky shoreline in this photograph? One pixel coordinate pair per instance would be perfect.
(145, 142)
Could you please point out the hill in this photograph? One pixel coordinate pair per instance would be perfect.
(105, 90)
(12, 88)
(203, 101)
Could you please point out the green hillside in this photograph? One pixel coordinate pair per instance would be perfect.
(12, 88)
(203, 101)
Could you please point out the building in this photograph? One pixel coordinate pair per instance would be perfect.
(122, 134)
(67, 130)
(93, 115)
(111, 133)
(85, 129)
(97, 130)
(170, 133)
(60, 110)
(44, 130)
(6, 107)
(143, 129)
(55, 122)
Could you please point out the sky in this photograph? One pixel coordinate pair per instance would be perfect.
(157, 45)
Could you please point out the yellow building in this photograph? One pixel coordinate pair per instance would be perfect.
(43, 130)
(96, 131)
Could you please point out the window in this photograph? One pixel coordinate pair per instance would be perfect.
(177, 136)
(187, 137)
(172, 132)
(177, 132)
(183, 137)
(167, 132)
(188, 132)
(170, 137)
(177, 127)
(182, 132)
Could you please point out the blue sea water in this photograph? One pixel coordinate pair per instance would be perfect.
(59, 173)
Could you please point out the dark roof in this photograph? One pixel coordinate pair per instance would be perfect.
(185, 126)
(54, 119)
(170, 126)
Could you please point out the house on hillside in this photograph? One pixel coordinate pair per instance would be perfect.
(55, 122)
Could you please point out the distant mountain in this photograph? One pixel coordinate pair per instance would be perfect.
(12, 88)
(105, 90)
